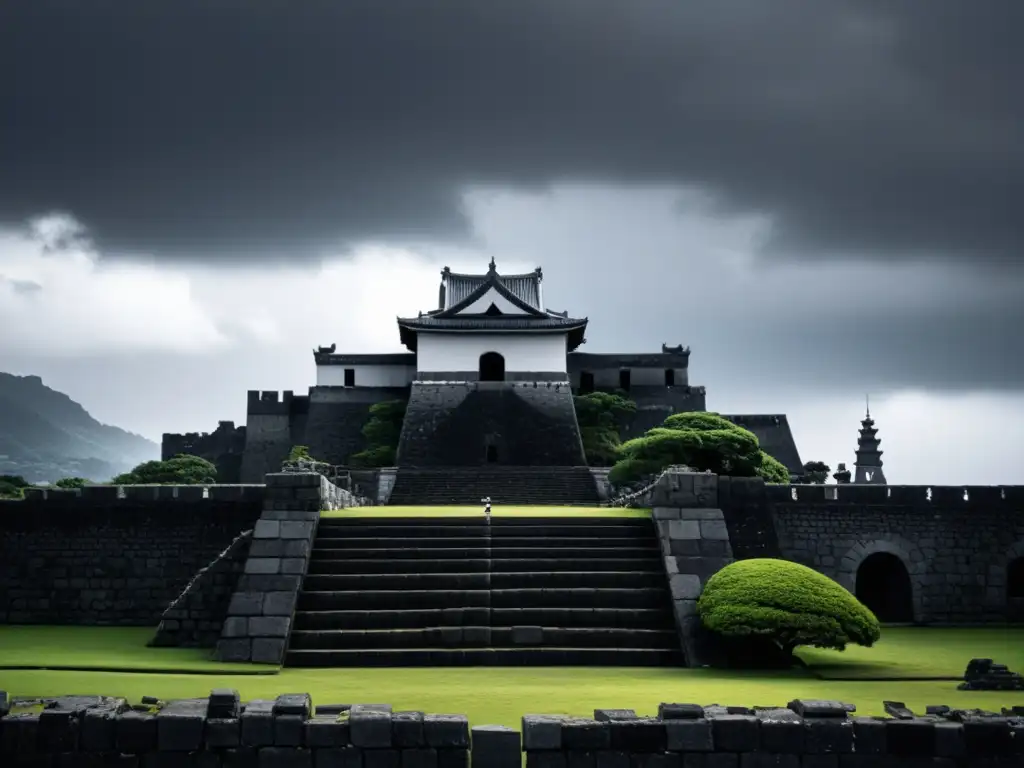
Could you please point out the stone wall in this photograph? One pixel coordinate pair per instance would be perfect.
(956, 550)
(109, 555)
(451, 424)
(289, 732)
(223, 448)
(260, 612)
(196, 617)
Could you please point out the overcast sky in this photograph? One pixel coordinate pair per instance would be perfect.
(821, 198)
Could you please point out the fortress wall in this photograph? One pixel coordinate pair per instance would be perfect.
(223, 447)
(90, 557)
(955, 550)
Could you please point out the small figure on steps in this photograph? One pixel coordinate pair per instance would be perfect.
(487, 508)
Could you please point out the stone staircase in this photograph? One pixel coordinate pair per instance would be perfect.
(457, 592)
(556, 486)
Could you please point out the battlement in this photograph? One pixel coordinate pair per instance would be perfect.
(273, 403)
(93, 495)
(944, 496)
(226, 439)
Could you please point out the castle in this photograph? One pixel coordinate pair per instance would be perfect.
(489, 379)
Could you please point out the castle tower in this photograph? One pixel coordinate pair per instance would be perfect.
(869, 458)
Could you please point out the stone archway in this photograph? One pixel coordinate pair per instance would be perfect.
(492, 367)
(905, 570)
(883, 585)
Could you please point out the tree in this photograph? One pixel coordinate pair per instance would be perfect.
(786, 603)
(72, 482)
(13, 486)
(299, 453)
(183, 469)
(600, 416)
(815, 473)
(704, 441)
(382, 432)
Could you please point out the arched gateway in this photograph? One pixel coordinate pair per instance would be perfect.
(883, 585)
(492, 367)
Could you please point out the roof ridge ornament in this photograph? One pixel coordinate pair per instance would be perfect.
(492, 267)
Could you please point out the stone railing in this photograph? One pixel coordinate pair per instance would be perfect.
(340, 477)
(642, 496)
(289, 731)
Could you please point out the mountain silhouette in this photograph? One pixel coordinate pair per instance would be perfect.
(45, 435)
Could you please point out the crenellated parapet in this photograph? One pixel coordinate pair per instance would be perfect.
(227, 439)
(946, 497)
(273, 403)
(92, 495)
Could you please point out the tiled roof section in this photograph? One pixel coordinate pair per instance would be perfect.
(486, 323)
(524, 287)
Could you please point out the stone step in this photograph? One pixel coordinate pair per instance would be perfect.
(485, 637)
(654, 579)
(467, 598)
(498, 552)
(342, 565)
(489, 657)
(324, 543)
(476, 520)
(420, 618)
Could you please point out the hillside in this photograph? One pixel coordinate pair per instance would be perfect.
(45, 435)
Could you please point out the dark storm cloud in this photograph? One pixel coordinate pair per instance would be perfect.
(200, 129)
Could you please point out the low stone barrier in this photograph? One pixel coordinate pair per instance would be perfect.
(289, 732)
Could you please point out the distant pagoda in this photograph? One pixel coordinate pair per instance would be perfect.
(869, 458)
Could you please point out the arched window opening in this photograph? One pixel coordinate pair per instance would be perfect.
(1015, 578)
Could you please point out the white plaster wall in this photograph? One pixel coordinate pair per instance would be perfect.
(366, 375)
(523, 353)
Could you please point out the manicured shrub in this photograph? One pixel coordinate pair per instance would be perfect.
(787, 603)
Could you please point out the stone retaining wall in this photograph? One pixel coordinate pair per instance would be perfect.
(289, 732)
(260, 613)
(110, 555)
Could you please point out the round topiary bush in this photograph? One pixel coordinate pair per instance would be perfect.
(786, 603)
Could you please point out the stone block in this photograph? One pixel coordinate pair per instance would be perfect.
(419, 757)
(688, 735)
(666, 513)
(263, 565)
(279, 604)
(407, 729)
(496, 746)
(266, 529)
(58, 730)
(910, 738)
(735, 733)
(223, 702)
(235, 626)
(180, 725)
(705, 490)
(611, 759)
(289, 730)
(684, 529)
(949, 740)
(296, 530)
(285, 757)
(685, 586)
(821, 708)
(246, 604)
(327, 731)
(701, 514)
(541, 732)
(293, 565)
(607, 715)
(869, 735)
(680, 711)
(258, 724)
(223, 733)
(236, 649)
(644, 734)
(98, 730)
(446, 731)
(585, 735)
(527, 635)
(782, 730)
(269, 626)
(266, 650)
(714, 529)
(370, 729)
(136, 732)
(293, 704)
(340, 757)
(546, 760)
(827, 736)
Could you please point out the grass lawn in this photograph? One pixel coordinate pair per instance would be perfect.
(105, 648)
(502, 695)
(920, 652)
(498, 510)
